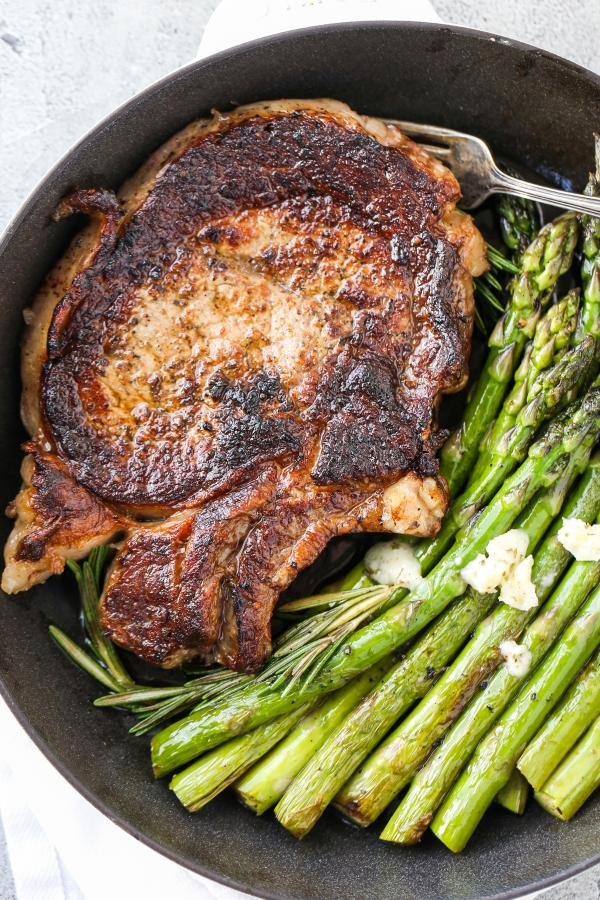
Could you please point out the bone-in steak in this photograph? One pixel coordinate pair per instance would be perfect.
(238, 359)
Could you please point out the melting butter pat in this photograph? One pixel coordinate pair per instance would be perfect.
(517, 658)
(393, 562)
(580, 539)
(505, 566)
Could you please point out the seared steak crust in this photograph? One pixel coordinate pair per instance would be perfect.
(251, 347)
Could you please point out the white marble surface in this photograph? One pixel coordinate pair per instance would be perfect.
(66, 63)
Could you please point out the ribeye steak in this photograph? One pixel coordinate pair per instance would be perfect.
(239, 358)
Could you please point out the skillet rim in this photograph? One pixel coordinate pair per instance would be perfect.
(15, 224)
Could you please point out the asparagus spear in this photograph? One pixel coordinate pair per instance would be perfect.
(550, 392)
(519, 223)
(590, 310)
(547, 460)
(576, 779)
(495, 758)
(578, 709)
(205, 779)
(307, 797)
(546, 258)
(547, 393)
(547, 347)
(434, 779)
(356, 579)
(397, 758)
(337, 759)
(515, 793)
(590, 268)
(264, 784)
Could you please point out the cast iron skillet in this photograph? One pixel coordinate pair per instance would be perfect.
(532, 107)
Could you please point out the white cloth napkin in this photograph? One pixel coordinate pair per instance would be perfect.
(236, 21)
(56, 840)
(61, 848)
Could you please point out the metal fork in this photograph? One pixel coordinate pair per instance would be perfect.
(471, 161)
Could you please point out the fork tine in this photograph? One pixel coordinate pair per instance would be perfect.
(429, 132)
(444, 153)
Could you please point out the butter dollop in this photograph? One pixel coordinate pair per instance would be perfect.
(505, 566)
(393, 562)
(580, 539)
(517, 658)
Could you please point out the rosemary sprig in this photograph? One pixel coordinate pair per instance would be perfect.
(298, 655)
(499, 261)
(88, 576)
(489, 289)
(322, 622)
(305, 648)
(82, 659)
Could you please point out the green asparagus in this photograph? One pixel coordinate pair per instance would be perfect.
(205, 779)
(391, 766)
(264, 784)
(519, 223)
(590, 267)
(434, 779)
(329, 769)
(552, 390)
(546, 258)
(577, 710)
(547, 460)
(308, 795)
(515, 793)
(576, 779)
(549, 344)
(494, 760)
(355, 579)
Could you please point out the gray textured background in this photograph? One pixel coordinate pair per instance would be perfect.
(65, 63)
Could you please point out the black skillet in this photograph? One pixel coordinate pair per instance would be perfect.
(533, 108)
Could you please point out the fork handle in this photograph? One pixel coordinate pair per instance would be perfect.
(506, 184)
